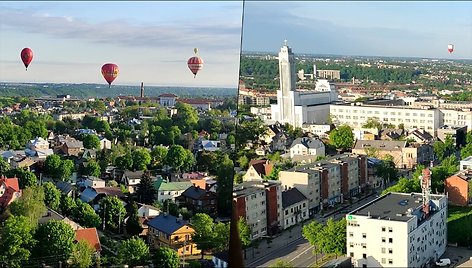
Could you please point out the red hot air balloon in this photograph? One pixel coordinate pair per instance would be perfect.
(26, 56)
(110, 72)
(195, 63)
(450, 48)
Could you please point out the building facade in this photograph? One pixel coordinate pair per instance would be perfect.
(396, 230)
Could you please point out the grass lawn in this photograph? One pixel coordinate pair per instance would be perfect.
(455, 212)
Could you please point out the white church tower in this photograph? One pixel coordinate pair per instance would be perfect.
(297, 107)
(287, 84)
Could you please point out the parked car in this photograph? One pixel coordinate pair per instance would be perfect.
(443, 262)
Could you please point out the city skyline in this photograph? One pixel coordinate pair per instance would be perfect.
(388, 29)
(150, 42)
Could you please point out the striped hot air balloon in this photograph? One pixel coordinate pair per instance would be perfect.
(110, 72)
(195, 63)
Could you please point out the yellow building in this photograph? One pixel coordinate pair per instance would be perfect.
(170, 231)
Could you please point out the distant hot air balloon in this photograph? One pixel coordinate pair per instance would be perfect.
(110, 72)
(195, 63)
(26, 56)
(450, 48)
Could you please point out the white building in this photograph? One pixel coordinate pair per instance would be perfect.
(320, 130)
(357, 115)
(167, 99)
(395, 231)
(105, 144)
(466, 163)
(296, 107)
(307, 146)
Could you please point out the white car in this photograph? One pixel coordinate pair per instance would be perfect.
(443, 262)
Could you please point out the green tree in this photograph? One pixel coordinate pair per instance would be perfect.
(244, 233)
(30, 204)
(82, 255)
(243, 162)
(146, 191)
(158, 155)
(67, 205)
(55, 238)
(52, 165)
(133, 226)
(125, 161)
(141, 159)
(204, 235)
(281, 264)
(186, 118)
(92, 169)
(133, 251)
(329, 238)
(25, 177)
(52, 195)
(16, 241)
(165, 257)
(404, 185)
(274, 174)
(221, 237)
(225, 175)
(230, 139)
(91, 142)
(176, 157)
(4, 167)
(85, 215)
(113, 212)
(342, 137)
(66, 169)
(373, 123)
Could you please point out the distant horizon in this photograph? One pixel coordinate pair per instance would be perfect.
(117, 85)
(363, 56)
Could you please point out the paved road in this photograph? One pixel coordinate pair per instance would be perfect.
(291, 246)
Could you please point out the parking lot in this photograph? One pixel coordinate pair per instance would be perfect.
(457, 255)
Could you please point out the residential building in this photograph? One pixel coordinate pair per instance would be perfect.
(38, 144)
(258, 169)
(458, 188)
(397, 230)
(53, 215)
(466, 163)
(93, 196)
(91, 181)
(147, 211)
(198, 199)
(132, 179)
(169, 231)
(170, 190)
(167, 99)
(9, 191)
(209, 145)
(220, 259)
(329, 181)
(457, 133)
(105, 144)
(72, 147)
(307, 146)
(260, 203)
(90, 235)
(329, 74)
(404, 154)
(294, 206)
(420, 136)
(320, 130)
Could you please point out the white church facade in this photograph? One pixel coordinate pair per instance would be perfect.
(297, 107)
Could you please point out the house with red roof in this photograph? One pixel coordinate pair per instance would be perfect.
(91, 236)
(9, 191)
(258, 169)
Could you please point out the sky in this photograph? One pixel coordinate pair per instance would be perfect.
(149, 41)
(392, 29)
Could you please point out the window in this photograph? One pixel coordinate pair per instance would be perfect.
(383, 239)
(390, 261)
(383, 250)
(364, 235)
(383, 229)
(364, 245)
(390, 240)
(351, 234)
(383, 260)
(351, 244)
(351, 254)
(390, 229)
(364, 256)
(390, 251)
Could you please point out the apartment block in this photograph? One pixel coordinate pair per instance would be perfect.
(260, 203)
(412, 118)
(397, 230)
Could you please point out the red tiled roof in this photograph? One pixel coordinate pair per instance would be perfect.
(90, 235)
(11, 182)
(168, 95)
(263, 167)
